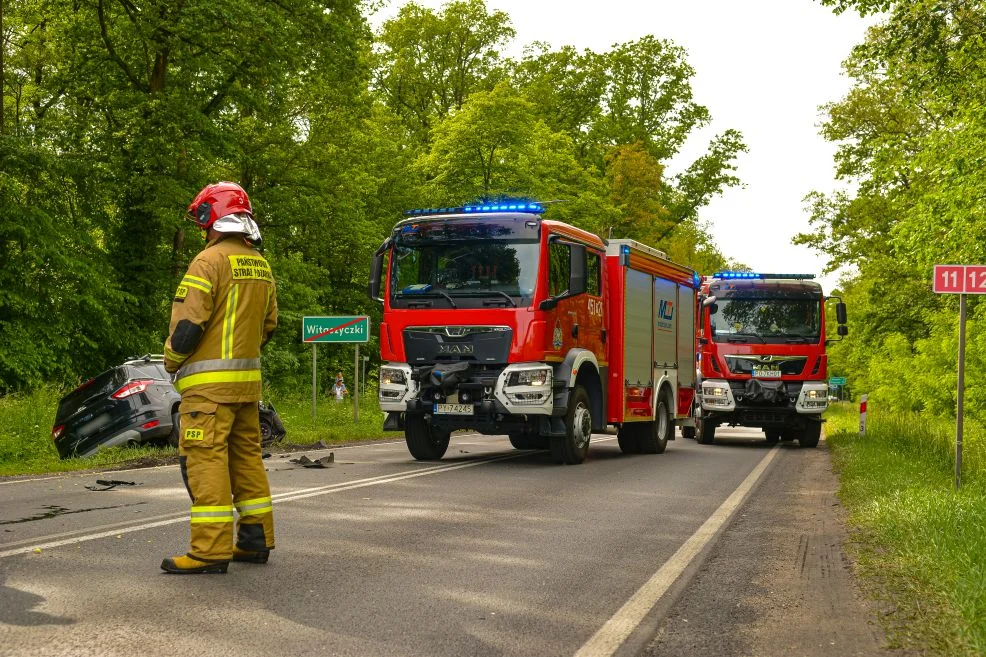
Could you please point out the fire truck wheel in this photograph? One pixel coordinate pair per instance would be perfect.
(654, 435)
(425, 442)
(573, 447)
(810, 434)
(773, 435)
(628, 438)
(706, 431)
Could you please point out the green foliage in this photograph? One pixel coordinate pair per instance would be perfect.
(911, 137)
(921, 542)
(114, 114)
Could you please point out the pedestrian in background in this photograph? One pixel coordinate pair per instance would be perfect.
(339, 389)
(224, 311)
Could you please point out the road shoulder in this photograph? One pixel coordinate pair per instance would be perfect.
(778, 581)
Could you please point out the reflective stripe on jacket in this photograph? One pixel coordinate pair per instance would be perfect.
(228, 292)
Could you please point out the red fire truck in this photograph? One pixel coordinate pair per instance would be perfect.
(500, 321)
(762, 359)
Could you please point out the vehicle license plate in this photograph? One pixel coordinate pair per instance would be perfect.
(762, 373)
(453, 409)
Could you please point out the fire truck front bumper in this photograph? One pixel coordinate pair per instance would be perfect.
(460, 398)
(767, 402)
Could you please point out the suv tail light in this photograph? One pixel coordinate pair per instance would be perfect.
(132, 388)
(56, 431)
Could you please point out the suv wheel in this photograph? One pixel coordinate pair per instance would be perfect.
(175, 437)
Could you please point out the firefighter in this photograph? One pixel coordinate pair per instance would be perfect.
(224, 311)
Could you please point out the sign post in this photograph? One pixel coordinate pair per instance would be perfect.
(344, 329)
(862, 415)
(961, 280)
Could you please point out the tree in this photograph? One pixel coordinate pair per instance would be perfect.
(428, 63)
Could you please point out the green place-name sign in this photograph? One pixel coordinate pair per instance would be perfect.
(837, 381)
(335, 329)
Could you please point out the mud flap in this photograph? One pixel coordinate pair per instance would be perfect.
(394, 421)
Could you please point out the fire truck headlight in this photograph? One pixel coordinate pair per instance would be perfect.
(392, 376)
(535, 377)
(710, 391)
(815, 394)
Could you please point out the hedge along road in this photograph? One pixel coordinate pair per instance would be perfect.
(491, 551)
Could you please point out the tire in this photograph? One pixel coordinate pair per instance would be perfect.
(175, 436)
(773, 435)
(688, 432)
(425, 442)
(654, 436)
(787, 435)
(266, 430)
(627, 437)
(573, 447)
(810, 434)
(706, 432)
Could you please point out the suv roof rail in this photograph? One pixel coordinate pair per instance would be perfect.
(145, 358)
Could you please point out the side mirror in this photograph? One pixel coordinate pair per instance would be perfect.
(840, 314)
(713, 308)
(576, 268)
(548, 304)
(843, 330)
(376, 271)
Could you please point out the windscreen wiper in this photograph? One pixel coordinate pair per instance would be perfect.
(502, 294)
(432, 293)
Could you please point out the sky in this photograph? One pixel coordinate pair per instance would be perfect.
(762, 67)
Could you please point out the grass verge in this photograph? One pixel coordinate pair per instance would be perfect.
(919, 543)
(26, 446)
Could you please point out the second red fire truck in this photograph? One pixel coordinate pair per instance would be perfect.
(500, 321)
(762, 360)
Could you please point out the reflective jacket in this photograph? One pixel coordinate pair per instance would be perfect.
(224, 311)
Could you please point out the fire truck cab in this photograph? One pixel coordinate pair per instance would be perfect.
(762, 360)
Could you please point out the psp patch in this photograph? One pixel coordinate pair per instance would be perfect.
(194, 434)
(250, 267)
(181, 293)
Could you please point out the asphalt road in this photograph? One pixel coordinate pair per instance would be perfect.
(492, 551)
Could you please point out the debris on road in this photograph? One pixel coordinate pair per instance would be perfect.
(323, 462)
(110, 484)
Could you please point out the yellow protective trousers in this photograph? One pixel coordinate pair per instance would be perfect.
(223, 470)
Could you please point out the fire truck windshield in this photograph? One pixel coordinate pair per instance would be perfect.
(464, 265)
(766, 320)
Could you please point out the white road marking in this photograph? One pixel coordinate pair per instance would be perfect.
(46, 542)
(615, 631)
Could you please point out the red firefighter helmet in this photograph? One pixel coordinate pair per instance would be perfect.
(217, 201)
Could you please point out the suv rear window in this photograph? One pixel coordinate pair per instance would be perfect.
(103, 384)
(152, 370)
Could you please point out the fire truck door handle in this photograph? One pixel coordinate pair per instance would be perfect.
(603, 333)
(575, 330)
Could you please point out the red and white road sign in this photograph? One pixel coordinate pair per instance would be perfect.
(960, 279)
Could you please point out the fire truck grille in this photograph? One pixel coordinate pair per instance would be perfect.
(479, 344)
(745, 364)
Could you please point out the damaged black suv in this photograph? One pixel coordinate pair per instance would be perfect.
(130, 404)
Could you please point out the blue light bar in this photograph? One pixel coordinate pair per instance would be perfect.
(509, 206)
(534, 208)
(748, 275)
